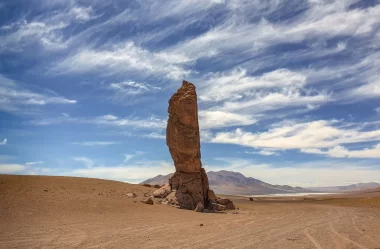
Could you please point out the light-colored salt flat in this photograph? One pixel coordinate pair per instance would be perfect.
(64, 212)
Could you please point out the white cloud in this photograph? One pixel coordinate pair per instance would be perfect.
(123, 58)
(26, 32)
(219, 119)
(155, 135)
(111, 120)
(263, 152)
(256, 96)
(377, 109)
(34, 163)
(95, 143)
(82, 13)
(128, 88)
(128, 157)
(237, 83)
(86, 161)
(45, 29)
(133, 172)
(4, 142)
(263, 101)
(340, 151)
(298, 135)
(369, 90)
(14, 97)
(11, 168)
(322, 19)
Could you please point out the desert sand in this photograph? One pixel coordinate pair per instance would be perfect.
(68, 212)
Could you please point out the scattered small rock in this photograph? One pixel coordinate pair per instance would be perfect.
(201, 225)
(46, 190)
(199, 207)
(131, 195)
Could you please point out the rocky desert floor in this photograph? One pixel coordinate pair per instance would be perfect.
(67, 212)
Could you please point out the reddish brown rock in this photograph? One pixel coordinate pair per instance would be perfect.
(149, 200)
(218, 207)
(199, 207)
(182, 133)
(226, 202)
(162, 192)
(182, 137)
(211, 195)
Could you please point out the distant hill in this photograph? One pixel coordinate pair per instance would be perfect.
(160, 180)
(349, 188)
(234, 183)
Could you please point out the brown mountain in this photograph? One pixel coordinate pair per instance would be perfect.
(234, 183)
(349, 188)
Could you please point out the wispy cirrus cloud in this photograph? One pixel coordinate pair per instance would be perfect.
(96, 143)
(45, 29)
(4, 142)
(85, 160)
(122, 58)
(34, 163)
(128, 157)
(14, 97)
(110, 120)
(127, 88)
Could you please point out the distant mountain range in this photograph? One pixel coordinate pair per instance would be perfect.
(349, 188)
(234, 183)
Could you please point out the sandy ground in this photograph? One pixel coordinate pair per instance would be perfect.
(64, 212)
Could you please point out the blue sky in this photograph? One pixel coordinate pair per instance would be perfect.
(288, 91)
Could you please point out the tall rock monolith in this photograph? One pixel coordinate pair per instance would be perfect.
(190, 181)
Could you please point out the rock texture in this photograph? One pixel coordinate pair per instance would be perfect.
(149, 200)
(182, 133)
(226, 202)
(190, 181)
(199, 207)
(162, 192)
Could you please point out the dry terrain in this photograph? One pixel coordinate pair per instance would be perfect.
(67, 212)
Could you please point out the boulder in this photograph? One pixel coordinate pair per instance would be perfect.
(170, 199)
(226, 202)
(148, 200)
(162, 192)
(250, 198)
(199, 207)
(218, 207)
